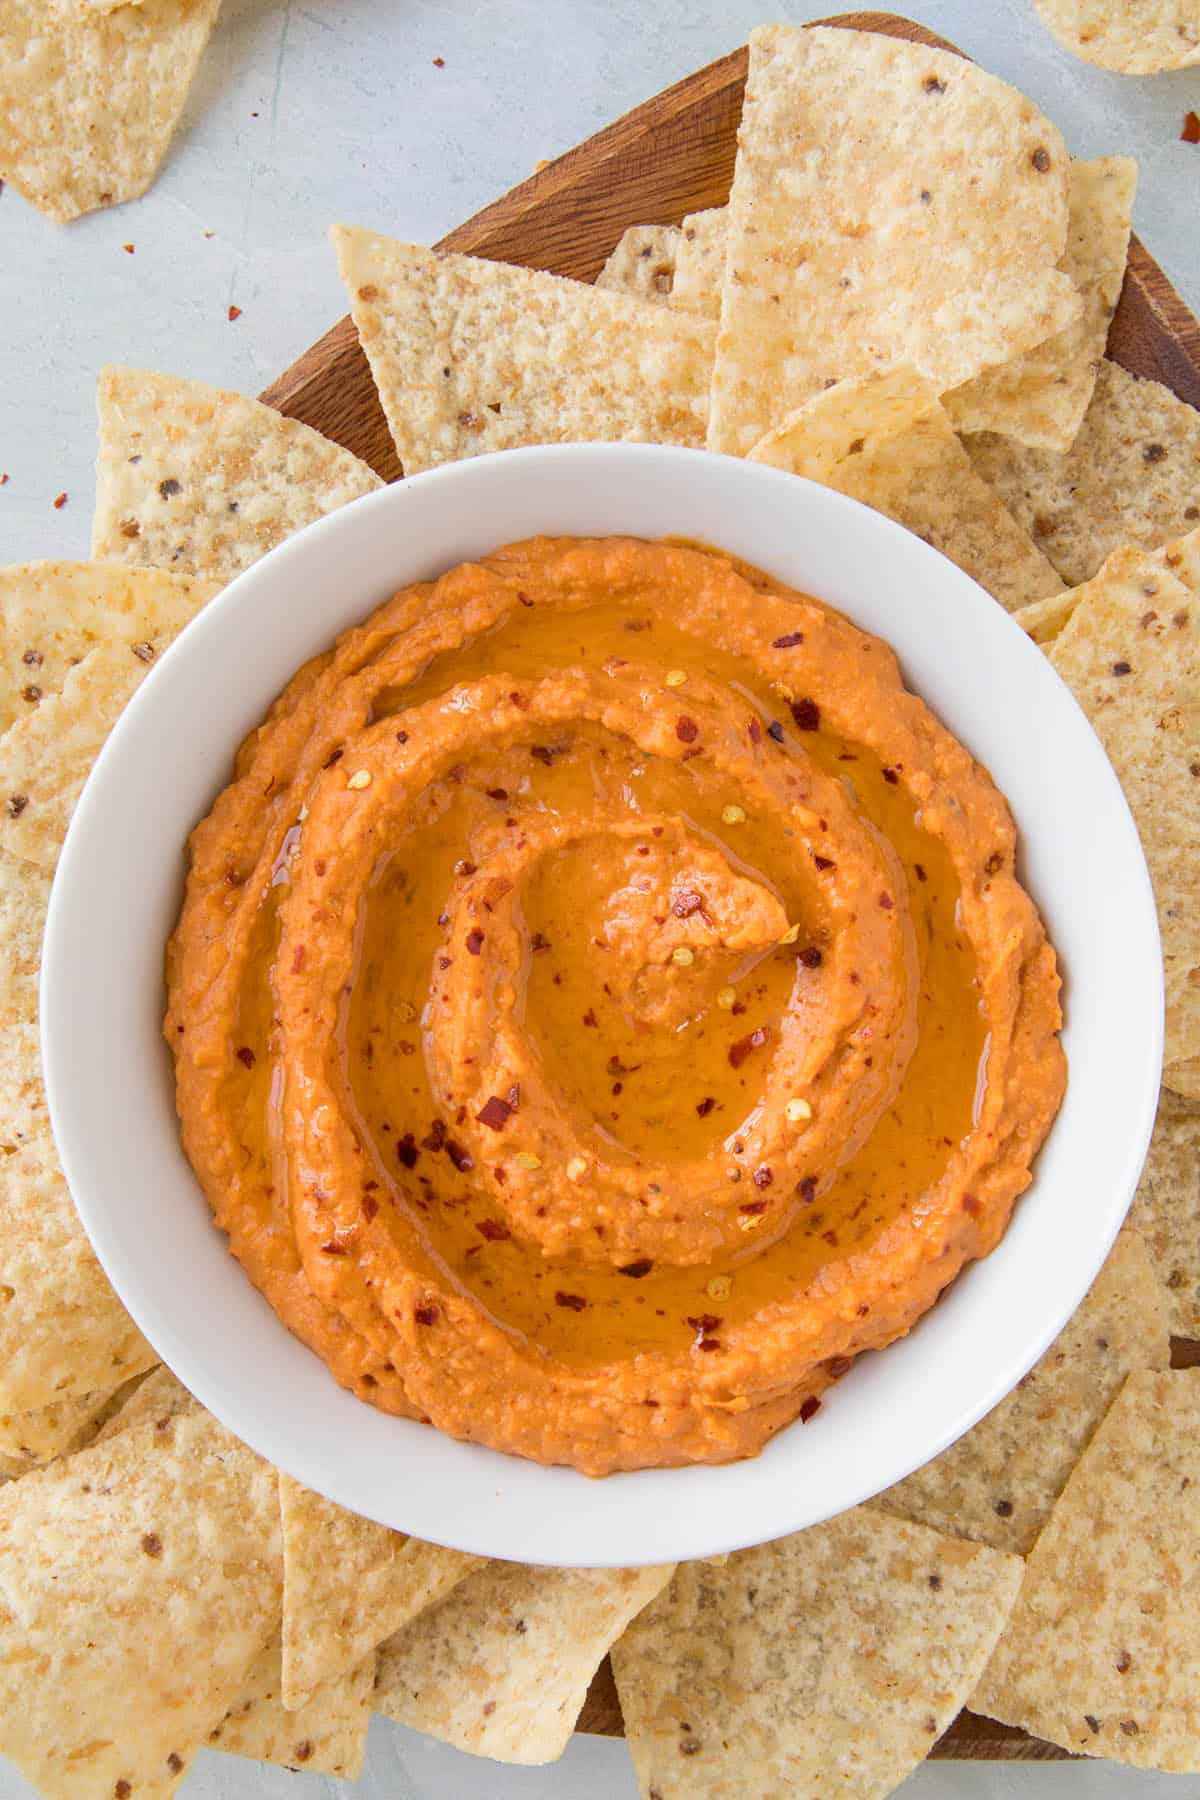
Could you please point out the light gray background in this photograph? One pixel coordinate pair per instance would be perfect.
(317, 110)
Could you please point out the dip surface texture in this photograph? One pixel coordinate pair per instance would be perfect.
(603, 1005)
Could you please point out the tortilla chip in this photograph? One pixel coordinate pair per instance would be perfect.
(829, 1661)
(1130, 654)
(89, 102)
(1131, 37)
(142, 1577)
(63, 1332)
(159, 1396)
(884, 439)
(502, 1667)
(1101, 1654)
(204, 482)
(643, 263)
(998, 1484)
(1041, 396)
(347, 1585)
(890, 204)
(700, 261)
(328, 1736)
(470, 356)
(1132, 476)
(1044, 619)
(1166, 1210)
(46, 757)
(30, 1439)
(53, 613)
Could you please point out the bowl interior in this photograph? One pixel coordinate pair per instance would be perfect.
(116, 897)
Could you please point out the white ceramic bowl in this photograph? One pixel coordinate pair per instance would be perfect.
(117, 893)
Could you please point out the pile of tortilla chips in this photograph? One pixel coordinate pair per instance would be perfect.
(923, 328)
(91, 92)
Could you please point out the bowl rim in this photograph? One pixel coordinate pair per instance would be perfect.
(464, 1496)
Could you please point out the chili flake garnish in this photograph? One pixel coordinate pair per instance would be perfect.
(492, 1230)
(754, 1040)
(635, 1270)
(807, 715)
(575, 1302)
(810, 1409)
(494, 1113)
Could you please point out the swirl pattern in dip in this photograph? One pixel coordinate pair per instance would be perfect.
(603, 1005)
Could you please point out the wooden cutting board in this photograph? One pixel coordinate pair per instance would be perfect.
(672, 156)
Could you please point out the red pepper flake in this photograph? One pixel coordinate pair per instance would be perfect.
(809, 1409)
(762, 1178)
(60, 502)
(753, 1041)
(775, 730)
(635, 1270)
(709, 1343)
(369, 1207)
(246, 1055)
(891, 777)
(839, 1366)
(497, 793)
(298, 955)
(807, 1189)
(919, 872)
(425, 1315)
(334, 756)
(590, 1019)
(886, 901)
(474, 941)
(4, 478)
(462, 1159)
(542, 752)
(824, 862)
(810, 956)
(705, 1322)
(753, 1207)
(436, 1139)
(1191, 128)
(235, 312)
(492, 1230)
(538, 942)
(684, 905)
(494, 1113)
(128, 249)
(575, 1302)
(755, 731)
(807, 715)
(705, 1106)
(406, 1150)
(971, 1206)
(439, 62)
(334, 1248)
(686, 730)
(788, 641)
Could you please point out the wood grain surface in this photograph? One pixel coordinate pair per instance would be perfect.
(672, 156)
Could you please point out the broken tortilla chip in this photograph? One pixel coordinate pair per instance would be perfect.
(31, 1439)
(643, 263)
(204, 482)
(1131, 37)
(700, 261)
(110, 1562)
(328, 1735)
(998, 1483)
(502, 1666)
(348, 1584)
(1130, 654)
(848, 1647)
(1044, 619)
(89, 100)
(1041, 396)
(53, 613)
(1132, 476)
(885, 440)
(470, 356)
(154, 1400)
(1166, 1209)
(890, 204)
(1101, 1653)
